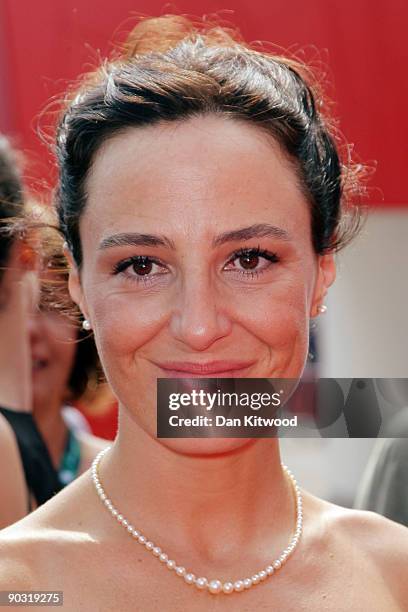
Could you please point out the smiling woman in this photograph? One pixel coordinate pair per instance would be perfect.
(199, 263)
(201, 196)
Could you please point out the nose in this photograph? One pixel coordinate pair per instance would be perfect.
(199, 318)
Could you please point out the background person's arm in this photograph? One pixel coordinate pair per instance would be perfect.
(13, 491)
(17, 295)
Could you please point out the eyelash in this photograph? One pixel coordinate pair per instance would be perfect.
(258, 252)
(122, 266)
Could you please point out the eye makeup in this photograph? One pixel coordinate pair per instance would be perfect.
(252, 262)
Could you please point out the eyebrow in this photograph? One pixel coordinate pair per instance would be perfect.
(258, 230)
(135, 239)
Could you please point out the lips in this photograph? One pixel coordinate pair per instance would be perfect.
(210, 369)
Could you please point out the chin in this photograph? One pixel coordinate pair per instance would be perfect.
(205, 447)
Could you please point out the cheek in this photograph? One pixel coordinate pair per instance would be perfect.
(123, 325)
(287, 318)
(276, 320)
(62, 341)
(288, 336)
(66, 361)
(125, 322)
(277, 314)
(64, 346)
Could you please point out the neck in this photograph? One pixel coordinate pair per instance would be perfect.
(207, 508)
(15, 362)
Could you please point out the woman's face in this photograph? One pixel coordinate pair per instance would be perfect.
(197, 258)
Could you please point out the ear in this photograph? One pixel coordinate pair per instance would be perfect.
(74, 283)
(326, 274)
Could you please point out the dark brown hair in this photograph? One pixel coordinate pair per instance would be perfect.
(171, 69)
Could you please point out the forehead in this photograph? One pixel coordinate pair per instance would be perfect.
(197, 177)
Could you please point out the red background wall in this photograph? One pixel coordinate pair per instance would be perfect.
(45, 43)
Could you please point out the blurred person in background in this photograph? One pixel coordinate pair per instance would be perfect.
(64, 361)
(384, 484)
(42, 364)
(27, 477)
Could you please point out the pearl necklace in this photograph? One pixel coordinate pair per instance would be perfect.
(213, 586)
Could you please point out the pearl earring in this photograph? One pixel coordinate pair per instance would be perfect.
(86, 325)
(322, 309)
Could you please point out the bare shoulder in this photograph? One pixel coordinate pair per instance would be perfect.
(371, 541)
(385, 543)
(13, 491)
(7, 438)
(17, 560)
(37, 549)
(12, 572)
(383, 539)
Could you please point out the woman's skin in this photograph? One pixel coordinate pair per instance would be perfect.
(222, 508)
(18, 294)
(13, 489)
(53, 343)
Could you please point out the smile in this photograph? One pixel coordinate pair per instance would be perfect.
(211, 369)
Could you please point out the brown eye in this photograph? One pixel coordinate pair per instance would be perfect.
(252, 262)
(142, 266)
(249, 261)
